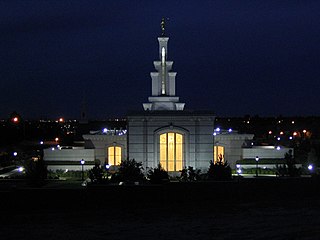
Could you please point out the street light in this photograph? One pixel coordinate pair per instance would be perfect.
(82, 164)
(257, 165)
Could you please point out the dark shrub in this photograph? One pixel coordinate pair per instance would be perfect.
(158, 175)
(289, 167)
(189, 174)
(219, 171)
(96, 173)
(36, 171)
(130, 171)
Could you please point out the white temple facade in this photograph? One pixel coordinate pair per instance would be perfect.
(162, 133)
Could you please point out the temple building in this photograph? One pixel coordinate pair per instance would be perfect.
(163, 132)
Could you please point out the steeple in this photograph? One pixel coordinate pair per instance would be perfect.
(163, 80)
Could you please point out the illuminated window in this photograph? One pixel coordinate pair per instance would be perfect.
(218, 154)
(114, 155)
(171, 151)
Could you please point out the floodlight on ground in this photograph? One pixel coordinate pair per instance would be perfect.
(107, 166)
(20, 169)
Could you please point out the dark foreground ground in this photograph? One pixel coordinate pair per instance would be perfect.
(249, 209)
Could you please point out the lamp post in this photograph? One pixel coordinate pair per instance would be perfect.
(82, 164)
(257, 165)
(238, 169)
(107, 170)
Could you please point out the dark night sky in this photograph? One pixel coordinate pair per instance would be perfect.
(232, 57)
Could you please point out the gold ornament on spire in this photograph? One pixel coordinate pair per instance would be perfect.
(163, 26)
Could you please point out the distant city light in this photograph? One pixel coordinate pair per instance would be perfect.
(56, 139)
(52, 149)
(295, 134)
(15, 119)
(270, 132)
(281, 133)
(15, 154)
(292, 122)
(41, 142)
(61, 120)
(290, 137)
(304, 131)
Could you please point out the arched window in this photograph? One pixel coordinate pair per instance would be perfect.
(218, 154)
(114, 155)
(171, 151)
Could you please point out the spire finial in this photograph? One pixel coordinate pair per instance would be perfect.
(163, 26)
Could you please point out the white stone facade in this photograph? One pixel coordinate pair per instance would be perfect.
(101, 142)
(144, 131)
(68, 158)
(265, 152)
(232, 143)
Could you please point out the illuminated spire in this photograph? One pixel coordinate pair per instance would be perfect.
(163, 80)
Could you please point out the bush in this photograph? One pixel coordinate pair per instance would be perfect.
(158, 175)
(95, 174)
(189, 174)
(129, 171)
(219, 171)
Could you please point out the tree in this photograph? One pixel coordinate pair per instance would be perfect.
(219, 170)
(36, 171)
(292, 170)
(158, 175)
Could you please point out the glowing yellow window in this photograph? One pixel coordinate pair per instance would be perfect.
(171, 151)
(218, 154)
(114, 155)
